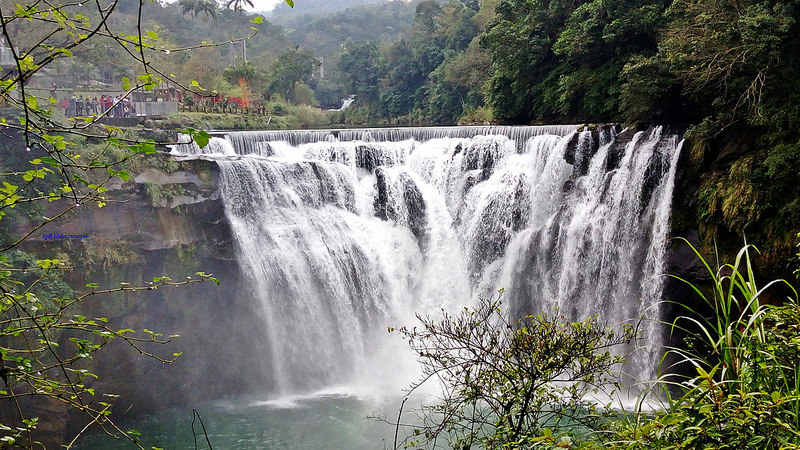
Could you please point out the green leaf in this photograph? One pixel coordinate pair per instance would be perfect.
(202, 138)
(290, 3)
(147, 148)
(51, 161)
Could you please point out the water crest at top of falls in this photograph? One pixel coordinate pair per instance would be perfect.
(248, 142)
(344, 233)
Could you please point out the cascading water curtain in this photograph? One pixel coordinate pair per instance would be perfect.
(343, 233)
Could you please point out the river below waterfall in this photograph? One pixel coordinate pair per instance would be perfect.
(342, 234)
(325, 420)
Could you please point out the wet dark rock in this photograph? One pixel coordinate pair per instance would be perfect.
(480, 158)
(652, 176)
(371, 157)
(367, 158)
(413, 200)
(572, 144)
(502, 217)
(617, 150)
(470, 180)
(581, 148)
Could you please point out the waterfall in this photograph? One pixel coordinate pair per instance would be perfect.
(346, 102)
(343, 233)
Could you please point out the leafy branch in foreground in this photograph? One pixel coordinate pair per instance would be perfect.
(511, 384)
(45, 346)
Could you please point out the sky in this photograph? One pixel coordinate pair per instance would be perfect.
(265, 5)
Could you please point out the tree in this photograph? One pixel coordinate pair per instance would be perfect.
(361, 68)
(238, 5)
(291, 68)
(244, 71)
(199, 6)
(188, 6)
(45, 343)
(732, 56)
(510, 383)
(561, 60)
(208, 7)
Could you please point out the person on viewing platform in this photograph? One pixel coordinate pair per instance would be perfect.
(71, 106)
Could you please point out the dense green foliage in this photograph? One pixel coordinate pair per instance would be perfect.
(684, 62)
(562, 60)
(432, 75)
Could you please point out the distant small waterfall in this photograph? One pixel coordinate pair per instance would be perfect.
(346, 102)
(343, 233)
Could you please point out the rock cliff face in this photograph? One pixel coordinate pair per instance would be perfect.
(157, 210)
(165, 223)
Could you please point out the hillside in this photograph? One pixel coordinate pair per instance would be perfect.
(326, 33)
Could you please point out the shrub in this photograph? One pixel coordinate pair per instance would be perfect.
(511, 384)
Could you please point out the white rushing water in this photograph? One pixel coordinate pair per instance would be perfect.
(345, 233)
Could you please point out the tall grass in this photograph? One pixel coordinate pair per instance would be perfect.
(745, 390)
(735, 322)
